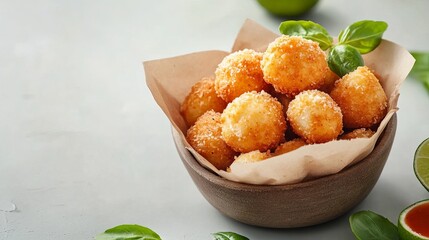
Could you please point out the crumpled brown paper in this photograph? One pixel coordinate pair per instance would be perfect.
(171, 79)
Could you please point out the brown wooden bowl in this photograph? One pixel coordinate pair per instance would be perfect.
(294, 205)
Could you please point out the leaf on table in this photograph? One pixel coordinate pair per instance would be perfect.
(367, 225)
(128, 232)
(228, 236)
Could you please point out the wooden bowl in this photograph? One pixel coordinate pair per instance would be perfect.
(294, 205)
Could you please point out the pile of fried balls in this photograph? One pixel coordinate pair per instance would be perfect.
(263, 104)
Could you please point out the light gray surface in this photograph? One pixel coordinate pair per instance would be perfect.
(84, 147)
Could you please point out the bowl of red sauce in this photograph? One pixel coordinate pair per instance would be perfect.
(414, 220)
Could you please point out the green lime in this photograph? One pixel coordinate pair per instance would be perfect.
(290, 8)
(413, 222)
(421, 163)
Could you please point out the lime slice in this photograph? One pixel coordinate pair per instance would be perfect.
(421, 163)
(413, 222)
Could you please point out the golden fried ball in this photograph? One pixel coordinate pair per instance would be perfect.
(329, 81)
(358, 133)
(293, 64)
(253, 156)
(289, 146)
(315, 117)
(200, 99)
(206, 138)
(238, 73)
(253, 121)
(361, 98)
(283, 99)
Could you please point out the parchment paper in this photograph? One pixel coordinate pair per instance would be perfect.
(170, 80)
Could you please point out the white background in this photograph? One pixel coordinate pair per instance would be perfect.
(84, 147)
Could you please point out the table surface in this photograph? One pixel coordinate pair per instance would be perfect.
(84, 147)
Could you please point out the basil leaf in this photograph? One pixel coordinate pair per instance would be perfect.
(343, 59)
(364, 35)
(128, 232)
(228, 236)
(367, 225)
(420, 69)
(422, 62)
(308, 30)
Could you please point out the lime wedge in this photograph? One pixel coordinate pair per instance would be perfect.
(421, 163)
(413, 222)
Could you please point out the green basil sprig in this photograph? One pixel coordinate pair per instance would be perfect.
(128, 232)
(228, 236)
(359, 38)
(364, 35)
(343, 59)
(367, 225)
(420, 70)
(308, 30)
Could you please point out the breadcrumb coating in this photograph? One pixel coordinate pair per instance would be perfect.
(293, 64)
(283, 99)
(329, 81)
(289, 146)
(238, 73)
(358, 133)
(361, 98)
(205, 136)
(253, 156)
(315, 117)
(200, 99)
(233, 118)
(253, 121)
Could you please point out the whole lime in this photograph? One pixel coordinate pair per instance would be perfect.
(289, 8)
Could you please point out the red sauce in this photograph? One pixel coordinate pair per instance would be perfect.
(418, 219)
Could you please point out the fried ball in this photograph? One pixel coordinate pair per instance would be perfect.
(293, 64)
(283, 99)
(206, 138)
(315, 117)
(253, 121)
(358, 133)
(253, 156)
(238, 73)
(329, 81)
(200, 99)
(289, 146)
(361, 98)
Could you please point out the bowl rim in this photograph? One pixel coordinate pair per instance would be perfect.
(212, 177)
